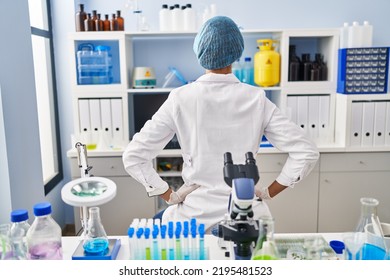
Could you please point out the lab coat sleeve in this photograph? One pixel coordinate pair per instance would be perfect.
(289, 137)
(146, 145)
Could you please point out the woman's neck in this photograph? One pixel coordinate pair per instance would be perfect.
(225, 70)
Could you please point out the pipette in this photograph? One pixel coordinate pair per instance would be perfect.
(201, 242)
(178, 241)
(170, 243)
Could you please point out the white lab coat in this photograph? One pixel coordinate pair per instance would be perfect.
(211, 116)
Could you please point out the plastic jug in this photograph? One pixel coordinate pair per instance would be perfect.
(266, 64)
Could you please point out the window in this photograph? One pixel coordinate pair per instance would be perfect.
(45, 87)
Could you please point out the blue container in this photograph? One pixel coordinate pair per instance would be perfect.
(372, 252)
(363, 70)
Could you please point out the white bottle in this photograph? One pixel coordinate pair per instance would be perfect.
(344, 36)
(355, 35)
(367, 31)
(164, 18)
(189, 18)
(176, 14)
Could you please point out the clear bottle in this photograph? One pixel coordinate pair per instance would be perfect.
(120, 20)
(44, 235)
(96, 241)
(266, 248)
(5, 241)
(80, 17)
(247, 71)
(368, 208)
(237, 69)
(19, 228)
(164, 18)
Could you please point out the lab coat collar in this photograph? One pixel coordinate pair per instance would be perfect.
(213, 77)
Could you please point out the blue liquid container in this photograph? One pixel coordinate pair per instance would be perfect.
(96, 241)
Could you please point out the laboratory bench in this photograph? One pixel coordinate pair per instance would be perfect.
(325, 201)
(69, 245)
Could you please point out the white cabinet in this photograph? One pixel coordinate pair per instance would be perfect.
(344, 179)
(294, 209)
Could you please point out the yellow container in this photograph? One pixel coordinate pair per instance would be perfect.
(266, 64)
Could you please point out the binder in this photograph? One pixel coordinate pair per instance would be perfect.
(84, 116)
(323, 122)
(313, 116)
(302, 111)
(117, 121)
(368, 124)
(379, 123)
(94, 111)
(292, 108)
(387, 129)
(355, 137)
(105, 113)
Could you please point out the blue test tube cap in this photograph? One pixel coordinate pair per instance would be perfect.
(193, 232)
(201, 230)
(140, 232)
(185, 232)
(130, 232)
(163, 231)
(186, 225)
(147, 233)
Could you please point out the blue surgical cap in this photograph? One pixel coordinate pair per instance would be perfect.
(219, 43)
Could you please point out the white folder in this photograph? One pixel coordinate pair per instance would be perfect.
(379, 123)
(302, 111)
(323, 122)
(292, 108)
(387, 129)
(105, 113)
(368, 124)
(84, 116)
(94, 111)
(356, 124)
(117, 121)
(313, 116)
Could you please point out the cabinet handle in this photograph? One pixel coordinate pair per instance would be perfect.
(326, 181)
(112, 167)
(361, 162)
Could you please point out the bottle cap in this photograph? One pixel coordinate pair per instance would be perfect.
(42, 209)
(337, 246)
(19, 215)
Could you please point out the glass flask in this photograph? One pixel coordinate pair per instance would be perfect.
(96, 241)
(265, 248)
(368, 208)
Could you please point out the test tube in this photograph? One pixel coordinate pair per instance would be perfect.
(163, 244)
(202, 255)
(178, 241)
(130, 233)
(156, 251)
(185, 242)
(170, 243)
(140, 249)
(148, 254)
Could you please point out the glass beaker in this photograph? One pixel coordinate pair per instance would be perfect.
(96, 241)
(265, 248)
(368, 207)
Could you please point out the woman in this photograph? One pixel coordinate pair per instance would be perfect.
(211, 116)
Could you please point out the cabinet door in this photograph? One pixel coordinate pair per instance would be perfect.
(340, 193)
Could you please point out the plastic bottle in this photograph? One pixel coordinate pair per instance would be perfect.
(368, 207)
(80, 17)
(5, 241)
(44, 235)
(367, 31)
(265, 248)
(294, 64)
(177, 18)
(106, 23)
(266, 64)
(189, 18)
(247, 71)
(237, 69)
(164, 18)
(96, 241)
(19, 228)
(120, 20)
(355, 35)
(344, 34)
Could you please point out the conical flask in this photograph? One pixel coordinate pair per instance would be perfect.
(368, 208)
(96, 241)
(265, 248)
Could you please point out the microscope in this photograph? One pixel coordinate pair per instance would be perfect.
(240, 228)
